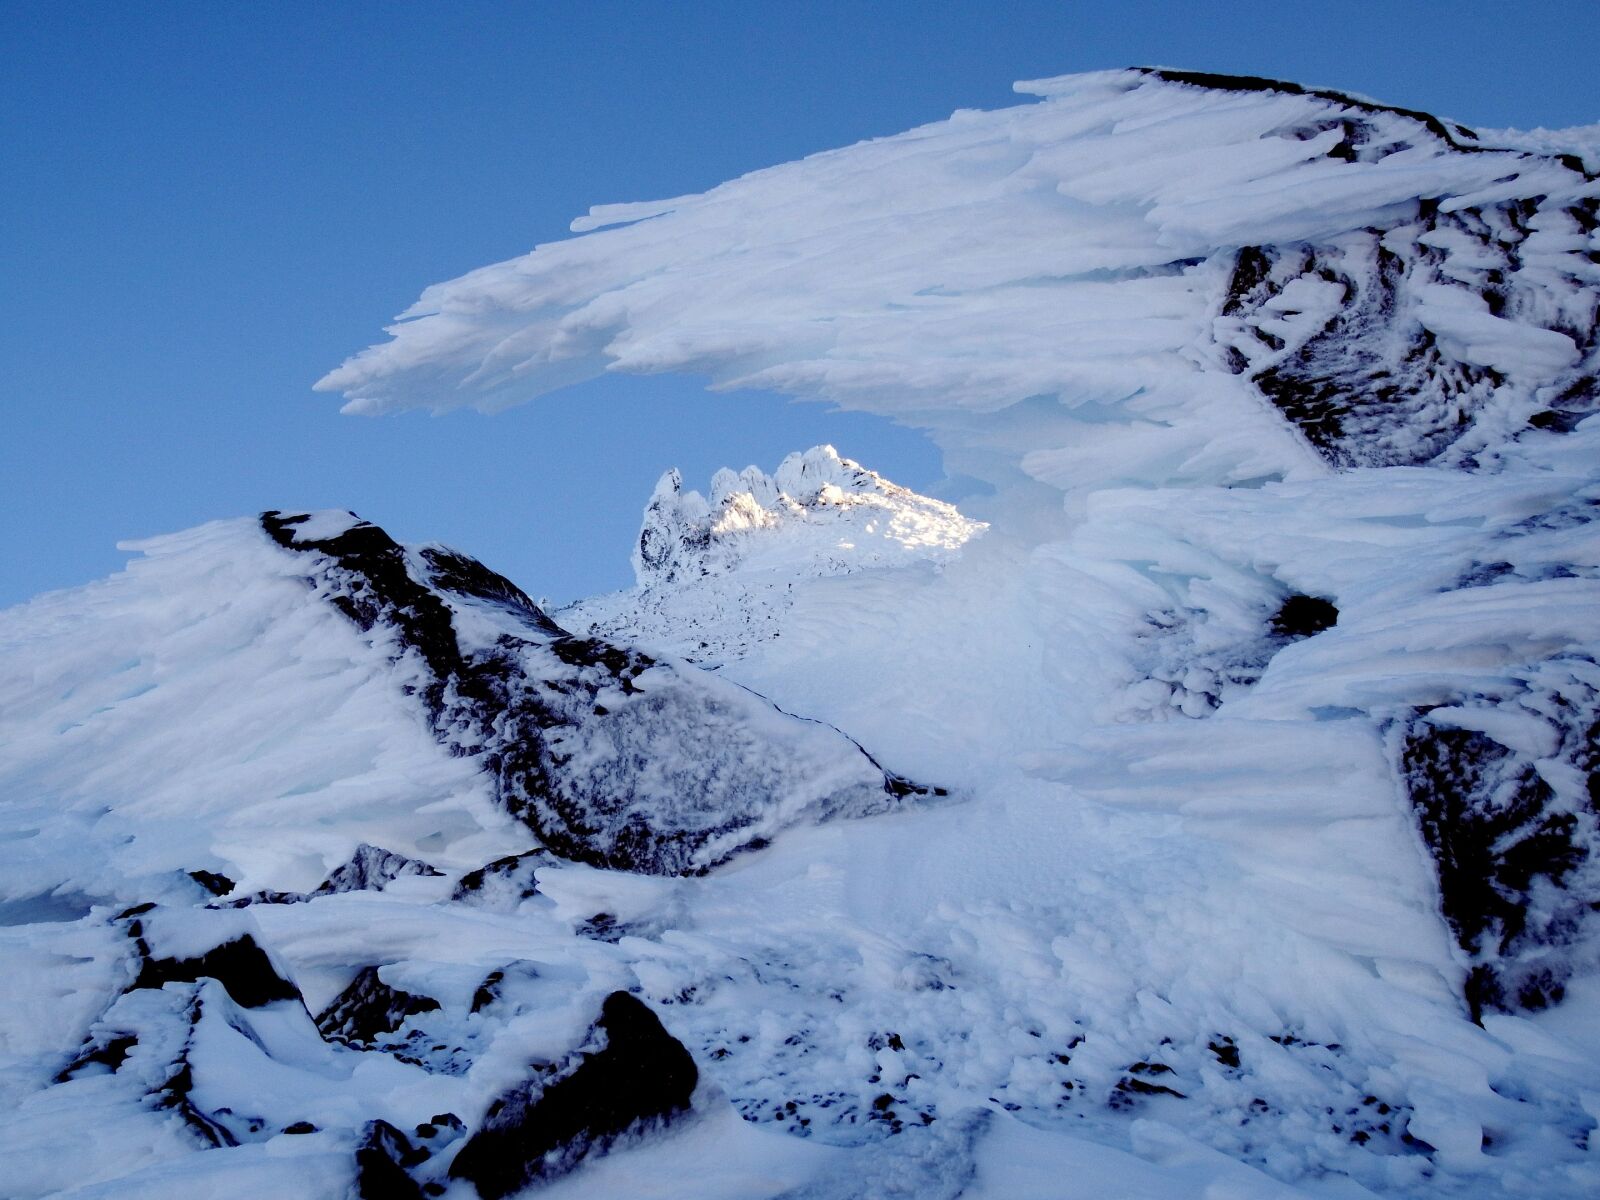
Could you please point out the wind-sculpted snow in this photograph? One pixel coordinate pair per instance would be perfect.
(610, 756)
(1157, 255)
(1267, 698)
(201, 711)
(1386, 345)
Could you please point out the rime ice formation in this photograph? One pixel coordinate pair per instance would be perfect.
(1267, 702)
(1172, 265)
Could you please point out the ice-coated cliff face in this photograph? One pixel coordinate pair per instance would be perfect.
(1267, 698)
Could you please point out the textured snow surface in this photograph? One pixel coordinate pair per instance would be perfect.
(1267, 702)
(1158, 259)
(610, 756)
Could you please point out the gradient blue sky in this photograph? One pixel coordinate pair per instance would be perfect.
(203, 207)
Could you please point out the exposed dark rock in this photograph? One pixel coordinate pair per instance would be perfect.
(1136, 1083)
(240, 965)
(369, 869)
(441, 1126)
(1302, 616)
(1149, 1068)
(533, 698)
(1582, 398)
(504, 883)
(465, 576)
(1516, 849)
(897, 786)
(1357, 372)
(382, 1157)
(629, 1077)
(1252, 274)
(1557, 420)
(507, 984)
(1226, 1052)
(603, 927)
(216, 884)
(174, 1094)
(1131, 1086)
(299, 1127)
(488, 991)
(109, 1052)
(368, 1009)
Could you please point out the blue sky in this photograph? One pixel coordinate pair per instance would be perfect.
(203, 207)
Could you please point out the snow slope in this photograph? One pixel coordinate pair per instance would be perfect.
(1265, 706)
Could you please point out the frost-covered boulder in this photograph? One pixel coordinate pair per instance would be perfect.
(176, 947)
(369, 1009)
(1507, 793)
(611, 756)
(504, 883)
(381, 1161)
(629, 1077)
(370, 868)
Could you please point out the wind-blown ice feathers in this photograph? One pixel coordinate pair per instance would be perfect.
(1093, 247)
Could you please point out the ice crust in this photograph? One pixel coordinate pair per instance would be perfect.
(1194, 920)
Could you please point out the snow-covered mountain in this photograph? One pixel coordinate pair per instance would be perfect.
(715, 576)
(1207, 806)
